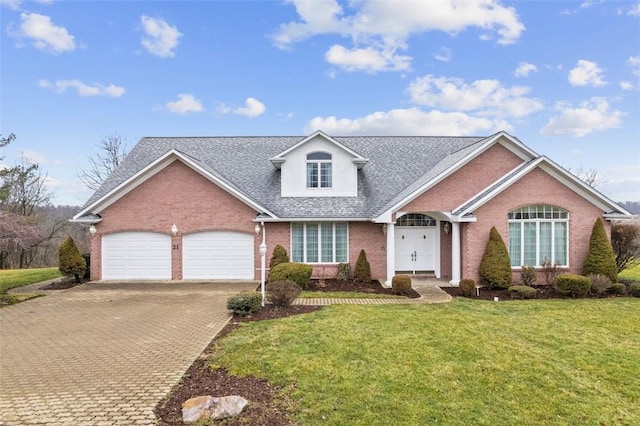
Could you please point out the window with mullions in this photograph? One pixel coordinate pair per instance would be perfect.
(415, 219)
(319, 170)
(319, 242)
(537, 232)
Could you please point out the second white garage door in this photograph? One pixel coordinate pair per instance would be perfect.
(217, 255)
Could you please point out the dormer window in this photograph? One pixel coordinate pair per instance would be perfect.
(319, 170)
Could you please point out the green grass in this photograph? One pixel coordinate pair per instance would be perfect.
(346, 295)
(631, 273)
(566, 362)
(12, 278)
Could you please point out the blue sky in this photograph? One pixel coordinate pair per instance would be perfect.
(564, 77)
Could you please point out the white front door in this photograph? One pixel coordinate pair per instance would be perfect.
(415, 248)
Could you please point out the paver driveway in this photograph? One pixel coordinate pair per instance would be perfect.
(104, 353)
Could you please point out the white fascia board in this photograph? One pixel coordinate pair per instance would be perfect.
(280, 157)
(619, 216)
(151, 170)
(312, 219)
(86, 219)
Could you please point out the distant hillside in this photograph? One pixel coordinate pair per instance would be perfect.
(632, 206)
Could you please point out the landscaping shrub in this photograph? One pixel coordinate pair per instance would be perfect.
(528, 275)
(550, 271)
(401, 284)
(522, 292)
(635, 290)
(297, 272)
(282, 293)
(495, 267)
(618, 288)
(344, 269)
(87, 259)
(600, 258)
(245, 303)
(70, 261)
(572, 285)
(279, 256)
(467, 287)
(362, 273)
(599, 283)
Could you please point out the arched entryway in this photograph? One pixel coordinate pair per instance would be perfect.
(415, 243)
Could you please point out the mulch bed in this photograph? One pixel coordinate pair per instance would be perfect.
(266, 404)
(544, 292)
(62, 284)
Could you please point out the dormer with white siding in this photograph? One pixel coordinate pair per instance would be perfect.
(319, 166)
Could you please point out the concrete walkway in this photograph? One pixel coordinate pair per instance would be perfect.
(429, 290)
(104, 353)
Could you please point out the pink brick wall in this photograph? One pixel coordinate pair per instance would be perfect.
(536, 188)
(179, 195)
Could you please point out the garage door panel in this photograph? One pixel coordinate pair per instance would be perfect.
(217, 255)
(136, 255)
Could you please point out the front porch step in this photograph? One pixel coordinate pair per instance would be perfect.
(419, 275)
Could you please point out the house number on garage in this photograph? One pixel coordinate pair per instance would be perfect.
(176, 246)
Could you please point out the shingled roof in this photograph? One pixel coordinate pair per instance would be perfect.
(396, 167)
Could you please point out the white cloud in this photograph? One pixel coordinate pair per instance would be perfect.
(634, 10)
(524, 69)
(586, 73)
(34, 157)
(621, 183)
(15, 4)
(410, 121)
(634, 62)
(626, 85)
(443, 55)
(252, 108)
(43, 34)
(161, 38)
(61, 86)
(185, 104)
(367, 59)
(487, 97)
(380, 28)
(590, 116)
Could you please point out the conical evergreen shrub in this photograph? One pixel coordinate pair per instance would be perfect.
(279, 256)
(362, 272)
(495, 267)
(600, 258)
(70, 261)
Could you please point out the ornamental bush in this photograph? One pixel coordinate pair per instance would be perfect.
(495, 267)
(600, 258)
(246, 303)
(550, 271)
(528, 275)
(282, 293)
(401, 284)
(635, 290)
(600, 284)
(344, 269)
(467, 287)
(70, 261)
(362, 273)
(297, 272)
(572, 285)
(617, 288)
(522, 292)
(279, 256)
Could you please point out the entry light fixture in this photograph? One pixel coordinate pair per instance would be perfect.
(257, 229)
(174, 230)
(447, 227)
(92, 230)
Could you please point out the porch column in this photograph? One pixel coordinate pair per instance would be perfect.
(391, 254)
(455, 253)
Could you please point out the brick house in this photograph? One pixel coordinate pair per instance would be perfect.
(185, 208)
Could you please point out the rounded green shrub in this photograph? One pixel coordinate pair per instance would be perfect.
(282, 293)
(70, 261)
(401, 284)
(617, 288)
(467, 287)
(495, 267)
(600, 284)
(362, 272)
(572, 285)
(297, 272)
(528, 275)
(279, 256)
(522, 292)
(600, 258)
(634, 290)
(245, 303)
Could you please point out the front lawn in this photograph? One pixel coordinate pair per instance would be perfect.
(465, 362)
(632, 274)
(12, 278)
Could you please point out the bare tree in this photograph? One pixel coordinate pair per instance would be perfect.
(590, 177)
(17, 233)
(625, 239)
(113, 149)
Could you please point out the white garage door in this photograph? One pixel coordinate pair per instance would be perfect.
(136, 255)
(217, 255)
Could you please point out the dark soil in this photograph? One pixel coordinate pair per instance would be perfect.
(267, 406)
(67, 282)
(544, 292)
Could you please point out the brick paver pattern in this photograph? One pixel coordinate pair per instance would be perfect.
(104, 353)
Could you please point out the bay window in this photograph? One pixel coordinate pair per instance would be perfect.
(323, 242)
(536, 233)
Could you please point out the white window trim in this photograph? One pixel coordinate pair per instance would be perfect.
(319, 248)
(537, 221)
(318, 164)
